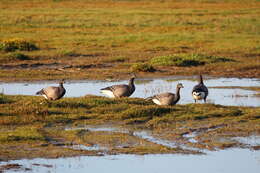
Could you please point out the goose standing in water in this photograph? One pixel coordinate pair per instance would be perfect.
(117, 91)
(52, 92)
(200, 91)
(167, 98)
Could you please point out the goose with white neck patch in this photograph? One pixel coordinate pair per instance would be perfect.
(200, 91)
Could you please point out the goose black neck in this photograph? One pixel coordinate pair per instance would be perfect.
(177, 98)
(178, 91)
(61, 85)
(131, 81)
(201, 79)
(131, 85)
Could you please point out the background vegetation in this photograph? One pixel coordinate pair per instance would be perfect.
(75, 38)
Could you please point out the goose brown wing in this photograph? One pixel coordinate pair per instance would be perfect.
(115, 87)
(164, 96)
(51, 91)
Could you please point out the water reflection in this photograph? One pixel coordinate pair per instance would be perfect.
(224, 161)
(148, 87)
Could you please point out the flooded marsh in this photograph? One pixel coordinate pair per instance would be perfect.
(81, 129)
(225, 91)
(94, 44)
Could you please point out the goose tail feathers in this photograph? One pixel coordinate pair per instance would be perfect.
(149, 98)
(39, 92)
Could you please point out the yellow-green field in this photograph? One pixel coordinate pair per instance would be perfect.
(110, 38)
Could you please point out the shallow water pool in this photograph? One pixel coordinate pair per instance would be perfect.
(149, 87)
(224, 161)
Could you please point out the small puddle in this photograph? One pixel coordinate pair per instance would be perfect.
(191, 137)
(195, 132)
(224, 161)
(98, 129)
(148, 87)
(88, 148)
(251, 140)
(146, 135)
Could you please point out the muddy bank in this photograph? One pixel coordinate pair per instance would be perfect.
(82, 69)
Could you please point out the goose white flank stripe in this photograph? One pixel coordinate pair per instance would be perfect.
(156, 101)
(108, 93)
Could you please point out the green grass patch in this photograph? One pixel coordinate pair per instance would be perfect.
(142, 67)
(26, 133)
(187, 60)
(29, 110)
(115, 59)
(17, 56)
(17, 44)
(144, 111)
(64, 53)
(4, 99)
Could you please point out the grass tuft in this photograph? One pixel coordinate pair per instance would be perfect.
(144, 111)
(142, 67)
(17, 44)
(22, 134)
(115, 59)
(71, 53)
(18, 56)
(4, 99)
(187, 60)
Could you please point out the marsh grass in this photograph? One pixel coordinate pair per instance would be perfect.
(26, 120)
(17, 44)
(4, 99)
(25, 133)
(67, 53)
(16, 56)
(96, 32)
(115, 59)
(71, 109)
(142, 67)
(186, 60)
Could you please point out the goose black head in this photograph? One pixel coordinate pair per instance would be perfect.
(133, 76)
(62, 81)
(179, 85)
